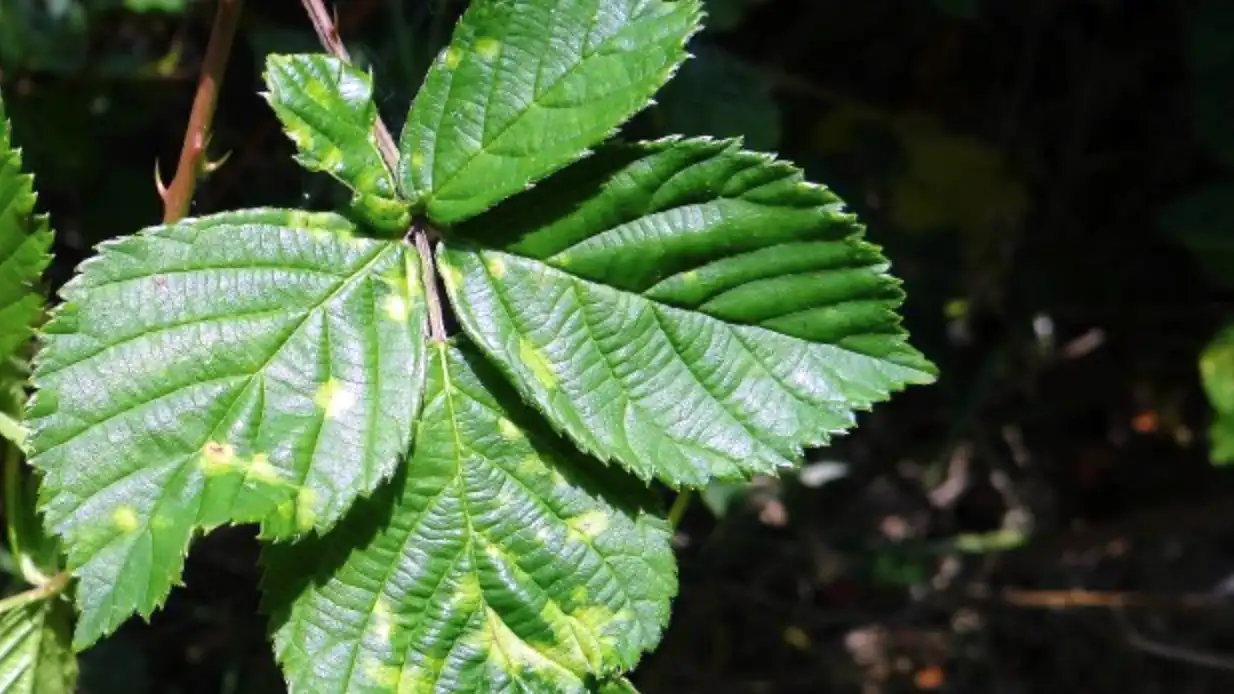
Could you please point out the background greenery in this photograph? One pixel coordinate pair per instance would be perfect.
(1054, 179)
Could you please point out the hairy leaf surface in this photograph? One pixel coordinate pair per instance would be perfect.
(689, 309)
(526, 87)
(259, 366)
(35, 653)
(327, 109)
(502, 561)
(25, 241)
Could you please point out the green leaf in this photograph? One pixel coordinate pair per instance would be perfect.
(1217, 376)
(689, 309)
(1203, 222)
(25, 244)
(720, 95)
(327, 109)
(259, 366)
(526, 87)
(617, 686)
(35, 656)
(502, 561)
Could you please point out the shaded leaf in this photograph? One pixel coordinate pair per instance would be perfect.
(720, 95)
(327, 109)
(503, 561)
(35, 654)
(526, 87)
(1203, 222)
(258, 366)
(25, 244)
(689, 309)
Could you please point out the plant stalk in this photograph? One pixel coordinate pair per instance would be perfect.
(419, 233)
(178, 197)
(54, 586)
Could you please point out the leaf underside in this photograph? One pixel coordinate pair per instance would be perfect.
(686, 308)
(326, 107)
(502, 561)
(25, 243)
(35, 653)
(527, 87)
(259, 366)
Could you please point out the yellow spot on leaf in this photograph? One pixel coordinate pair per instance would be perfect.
(334, 398)
(125, 519)
(417, 159)
(496, 266)
(487, 48)
(590, 524)
(396, 308)
(384, 676)
(306, 513)
(511, 654)
(453, 57)
(261, 470)
(333, 160)
(691, 277)
(509, 432)
(535, 361)
(382, 622)
(219, 453)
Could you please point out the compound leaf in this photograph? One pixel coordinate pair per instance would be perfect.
(327, 110)
(25, 242)
(35, 652)
(258, 366)
(501, 561)
(526, 87)
(689, 309)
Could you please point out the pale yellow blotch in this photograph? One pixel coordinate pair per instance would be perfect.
(691, 277)
(383, 625)
(496, 266)
(579, 595)
(261, 470)
(217, 458)
(589, 525)
(126, 519)
(333, 161)
(508, 431)
(306, 512)
(562, 261)
(453, 57)
(160, 522)
(511, 654)
(299, 219)
(396, 308)
(487, 48)
(334, 398)
(417, 159)
(540, 368)
(528, 467)
(286, 509)
(384, 676)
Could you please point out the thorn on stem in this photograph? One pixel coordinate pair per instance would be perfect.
(158, 181)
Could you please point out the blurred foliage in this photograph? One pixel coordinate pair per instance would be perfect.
(1217, 373)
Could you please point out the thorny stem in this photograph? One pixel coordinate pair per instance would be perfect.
(178, 197)
(419, 233)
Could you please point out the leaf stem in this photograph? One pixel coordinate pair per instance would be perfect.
(178, 197)
(54, 586)
(419, 234)
(678, 509)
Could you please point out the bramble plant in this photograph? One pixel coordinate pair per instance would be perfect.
(473, 513)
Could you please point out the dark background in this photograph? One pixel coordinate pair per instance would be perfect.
(1054, 181)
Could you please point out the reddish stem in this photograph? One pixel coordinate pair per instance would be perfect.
(178, 197)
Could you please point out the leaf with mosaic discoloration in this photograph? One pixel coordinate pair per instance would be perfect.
(502, 561)
(689, 309)
(259, 366)
(326, 107)
(528, 86)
